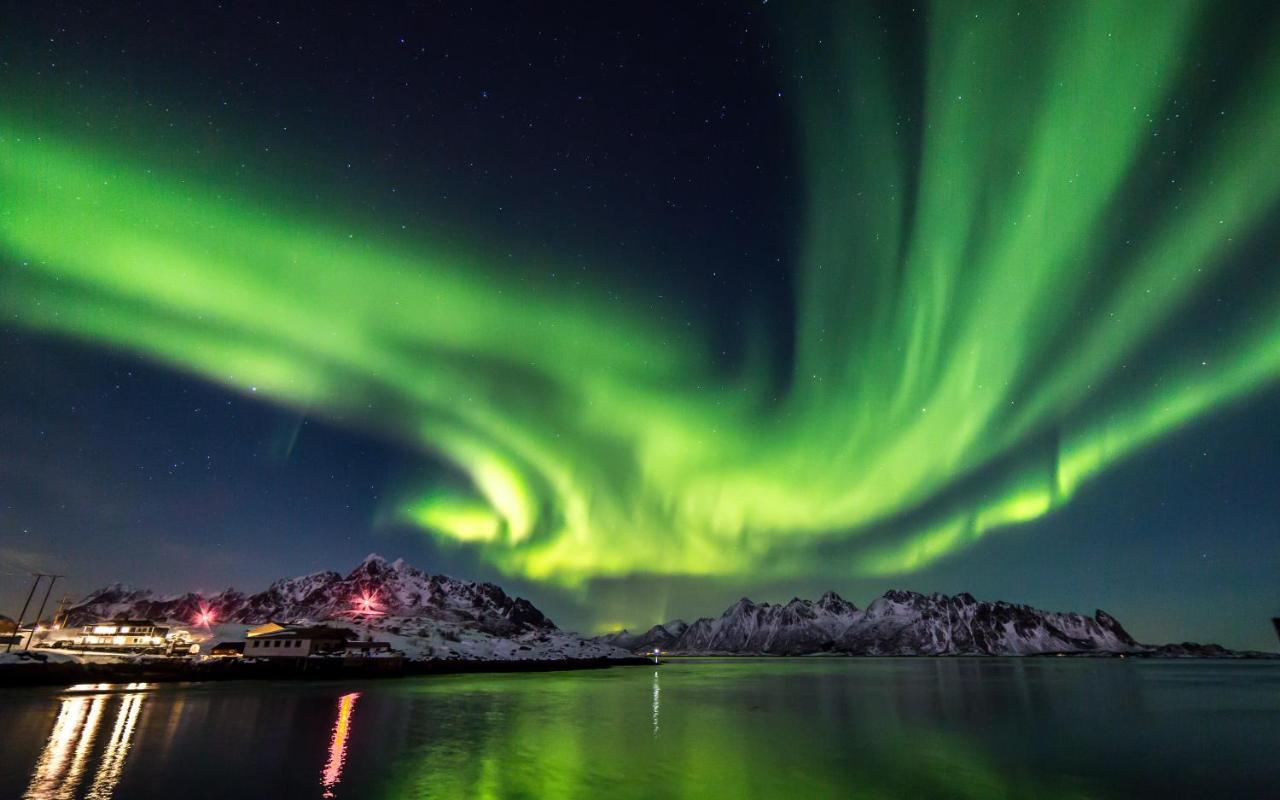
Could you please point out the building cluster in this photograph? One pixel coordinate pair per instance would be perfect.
(271, 640)
(120, 634)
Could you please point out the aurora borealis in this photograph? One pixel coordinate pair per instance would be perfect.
(1028, 242)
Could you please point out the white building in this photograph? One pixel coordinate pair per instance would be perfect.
(122, 634)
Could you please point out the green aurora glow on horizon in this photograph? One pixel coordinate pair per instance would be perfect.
(972, 311)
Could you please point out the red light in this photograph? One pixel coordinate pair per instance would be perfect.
(366, 603)
(206, 616)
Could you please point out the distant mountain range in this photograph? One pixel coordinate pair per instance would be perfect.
(436, 616)
(376, 588)
(899, 623)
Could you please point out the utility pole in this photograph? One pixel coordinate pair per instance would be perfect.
(59, 616)
(48, 589)
(18, 629)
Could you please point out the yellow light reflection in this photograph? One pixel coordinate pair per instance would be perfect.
(52, 761)
(104, 783)
(338, 744)
(61, 765)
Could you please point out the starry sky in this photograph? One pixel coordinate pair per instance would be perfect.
(636, 314)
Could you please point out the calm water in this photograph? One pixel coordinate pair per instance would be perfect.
(804, 728)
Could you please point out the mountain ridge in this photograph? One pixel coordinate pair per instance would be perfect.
(899, 623)
(375, 589)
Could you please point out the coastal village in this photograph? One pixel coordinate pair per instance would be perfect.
(381, 618)
(121, 638)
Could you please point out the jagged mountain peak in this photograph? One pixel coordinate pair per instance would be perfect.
(835, 604)
(372, 565)
(375, 589)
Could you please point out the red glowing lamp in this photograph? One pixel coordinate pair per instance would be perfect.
(366, 604)
(206, 616)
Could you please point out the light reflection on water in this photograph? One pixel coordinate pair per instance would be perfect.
(656, 692)
(60, 768)
(108, 775)
(332, 774)
(768, 728)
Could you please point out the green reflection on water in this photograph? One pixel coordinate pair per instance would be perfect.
(713, 730)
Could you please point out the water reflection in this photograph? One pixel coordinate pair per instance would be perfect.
(332, 773)
(104, 783)
(60, 768)
(656, 691)
(893, 728)
(53, 768)
(713, 730)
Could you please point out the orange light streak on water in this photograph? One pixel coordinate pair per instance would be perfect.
(338, 744)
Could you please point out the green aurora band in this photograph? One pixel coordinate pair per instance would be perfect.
(988, 313)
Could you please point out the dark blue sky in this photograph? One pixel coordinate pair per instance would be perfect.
(669, 143)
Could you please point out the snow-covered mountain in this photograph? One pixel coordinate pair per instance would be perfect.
(424, 616)
(376, 589)
(911, 623)
(898, 623)
(659, 636)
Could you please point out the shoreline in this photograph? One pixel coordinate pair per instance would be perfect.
(70, 674)
(158, 671)
(1148, 655)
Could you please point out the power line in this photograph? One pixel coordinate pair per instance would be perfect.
(22, 614)
(48, 589)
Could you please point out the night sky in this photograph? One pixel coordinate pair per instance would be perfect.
(638, 311)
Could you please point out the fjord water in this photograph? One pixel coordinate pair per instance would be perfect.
(695, 728)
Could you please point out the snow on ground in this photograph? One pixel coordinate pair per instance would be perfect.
(420, 638)
(222, 632)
